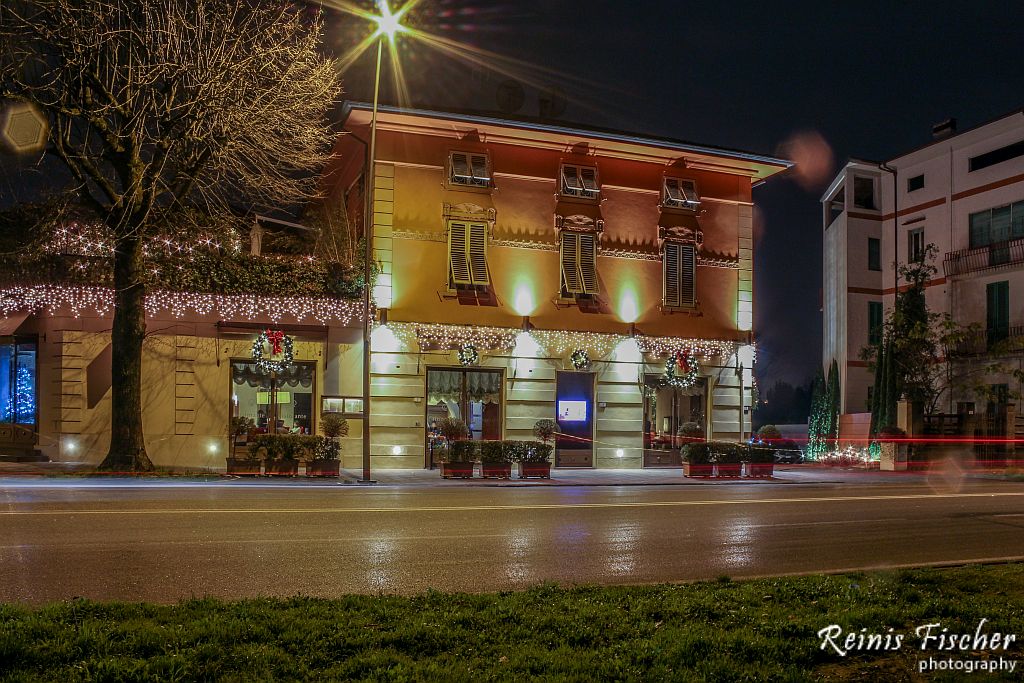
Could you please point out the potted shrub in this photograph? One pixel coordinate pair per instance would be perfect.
(325, 457)
(760, 459)
(697, 460)
(727, 458)
(689, 432)
(325, 451)
(534, 460)
(280, 453)
(249, 462)
(495, 459)
(458, 459)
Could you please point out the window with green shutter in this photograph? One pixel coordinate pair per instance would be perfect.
(578, 256)
(467, 254)
(679, 275)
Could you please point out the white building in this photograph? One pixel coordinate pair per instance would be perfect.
(962, 192)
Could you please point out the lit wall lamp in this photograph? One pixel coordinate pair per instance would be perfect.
(527, 325)
(383, 315)
(632, 329)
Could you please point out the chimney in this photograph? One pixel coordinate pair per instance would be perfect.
(944, 129)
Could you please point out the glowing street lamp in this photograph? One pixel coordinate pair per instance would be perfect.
(388, 24)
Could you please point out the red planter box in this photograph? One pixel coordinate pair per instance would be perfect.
(728, 470)
(245, 468)
(323, 468)
(698, 470)
(281, 468)
(541, 470)
(457, 470)
(760, 469)
(501, 470)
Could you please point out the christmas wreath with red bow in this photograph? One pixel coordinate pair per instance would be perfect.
(681, 371)
(280, 345)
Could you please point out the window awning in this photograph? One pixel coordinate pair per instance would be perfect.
(10, 324)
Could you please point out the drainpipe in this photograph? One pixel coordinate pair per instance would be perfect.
(895, 225)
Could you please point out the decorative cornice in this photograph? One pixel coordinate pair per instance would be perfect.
(705, 260)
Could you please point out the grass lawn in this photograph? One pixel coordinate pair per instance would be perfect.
(748, 630)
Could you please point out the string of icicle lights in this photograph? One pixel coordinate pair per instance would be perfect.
(181, 304)
(555, 342)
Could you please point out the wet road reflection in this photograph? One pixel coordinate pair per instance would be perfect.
(161, 544)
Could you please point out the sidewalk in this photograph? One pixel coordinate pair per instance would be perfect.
(805, 474)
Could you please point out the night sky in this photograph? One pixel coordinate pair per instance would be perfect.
(870, 77)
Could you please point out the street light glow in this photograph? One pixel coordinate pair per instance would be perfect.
(388, 24)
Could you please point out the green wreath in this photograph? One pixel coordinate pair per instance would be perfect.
(681, 371)
(276, 339)
(468, 355)
(580, 359)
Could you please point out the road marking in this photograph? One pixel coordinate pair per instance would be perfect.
(533, 506)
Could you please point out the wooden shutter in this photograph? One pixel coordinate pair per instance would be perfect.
(679, 269)
(588, 262)
(579, 263)
(570, 263)
(458, 261)
(477, 252)
(670, 271)
(478, 165)
(460, 168)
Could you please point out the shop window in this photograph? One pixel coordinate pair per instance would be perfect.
(279, 403)
(18, 381)
(579, 264)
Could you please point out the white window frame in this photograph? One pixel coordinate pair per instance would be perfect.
(469, 169)
(915, 255)
(680, 193)
(578, 181)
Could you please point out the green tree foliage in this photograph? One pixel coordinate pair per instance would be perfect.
(815, 420)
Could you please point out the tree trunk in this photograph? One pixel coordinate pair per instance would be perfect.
(127, 445)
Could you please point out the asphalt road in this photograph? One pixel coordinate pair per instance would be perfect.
(163, 542)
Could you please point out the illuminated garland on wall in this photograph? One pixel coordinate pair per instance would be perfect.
(554, 342)
(182, 304)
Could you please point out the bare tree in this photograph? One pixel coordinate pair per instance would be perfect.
(162, 109)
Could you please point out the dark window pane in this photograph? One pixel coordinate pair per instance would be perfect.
(997, 156)
(874, 254)
(979, 229)
(863, 193)
(915, 183)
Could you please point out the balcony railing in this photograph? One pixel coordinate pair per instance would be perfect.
(984, 258)
(997, 341)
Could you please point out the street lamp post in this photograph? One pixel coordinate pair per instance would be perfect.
(388, 25)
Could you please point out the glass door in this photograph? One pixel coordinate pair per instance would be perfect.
(672, 416)
(471, 395)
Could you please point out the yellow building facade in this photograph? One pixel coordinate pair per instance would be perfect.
(524, 272)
